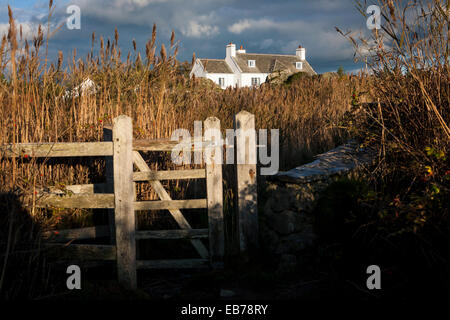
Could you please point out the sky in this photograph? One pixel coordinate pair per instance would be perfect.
(202, 26)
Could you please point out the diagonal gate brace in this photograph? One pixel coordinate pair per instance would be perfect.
(163, 195)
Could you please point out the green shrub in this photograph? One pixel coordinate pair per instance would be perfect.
(296, 77)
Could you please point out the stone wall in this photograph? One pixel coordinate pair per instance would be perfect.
(287, 221)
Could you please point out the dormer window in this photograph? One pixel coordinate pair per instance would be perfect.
(251, 63)
(299, 65)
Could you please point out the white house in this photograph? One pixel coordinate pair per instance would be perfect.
(243, 69)
(86, 87)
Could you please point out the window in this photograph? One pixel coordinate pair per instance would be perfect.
(299, 65)
(255, 81)
(222, 82)
(251, 63)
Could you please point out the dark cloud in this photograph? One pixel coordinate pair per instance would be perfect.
(205, 27)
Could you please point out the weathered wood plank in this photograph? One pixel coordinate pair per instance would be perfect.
(109, 186)
(246, 180)
(81, 252)
(169, 175)
(58, 149)
(85, 201)
(124, 200)
(76, 234)
(172, 234)
(176, 213)
(135, 199)
(75, 189)
(173, 264)
(163, 145)
(170, 204)
(214, 189)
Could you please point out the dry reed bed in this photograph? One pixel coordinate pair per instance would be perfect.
(37, 104)
(35, 107)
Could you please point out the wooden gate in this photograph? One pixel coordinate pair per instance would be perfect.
(117, 195)
(125, 154)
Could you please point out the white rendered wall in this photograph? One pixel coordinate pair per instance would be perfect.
(228, 77)
(197, 70)
(246, 78)
(237, 79)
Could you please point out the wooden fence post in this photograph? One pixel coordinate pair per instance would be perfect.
(124, 201)
(245, 148)
(214, 189)
(109, 173)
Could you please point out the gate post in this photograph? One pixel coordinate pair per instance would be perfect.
(109, 174)
(214, 189)
(124, 201)
(244, 125)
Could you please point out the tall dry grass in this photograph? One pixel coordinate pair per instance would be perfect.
(409, 57)
(35, 106)
(403, 223)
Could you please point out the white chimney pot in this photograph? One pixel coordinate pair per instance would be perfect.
(240, 50)
(231, 50)
(301, 52)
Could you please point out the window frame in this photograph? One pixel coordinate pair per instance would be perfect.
(251, 63)
(223, 82)
(299, 63)
(255, 83)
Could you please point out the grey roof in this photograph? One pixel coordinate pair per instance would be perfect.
(268, 63)
(215, 66)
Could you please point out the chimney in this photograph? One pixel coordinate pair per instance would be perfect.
(231, 50)
(241, 50)
(301, 52)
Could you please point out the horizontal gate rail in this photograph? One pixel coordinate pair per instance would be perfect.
(169, 175)
(173, 264)
(77, 234)
(59, 149)
(172, 234)
(81, 251)
(76, 201)
(74, 189)
(167, 145)
(170, 204)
